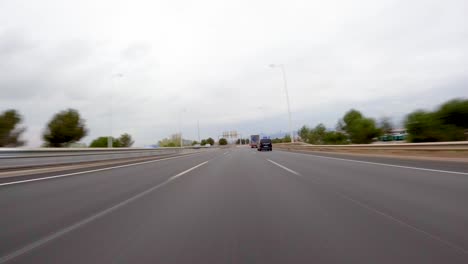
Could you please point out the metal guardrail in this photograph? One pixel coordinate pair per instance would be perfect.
(436, 146)
(15, 158)
(6, 153)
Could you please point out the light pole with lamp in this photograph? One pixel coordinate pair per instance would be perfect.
(281, 66)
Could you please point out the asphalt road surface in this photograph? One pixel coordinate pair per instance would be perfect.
(241, 206)
(23, 159)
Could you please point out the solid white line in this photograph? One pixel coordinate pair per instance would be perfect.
(90, 171)
(448, 243)
(385, 164)
(284, 168)
(85, 221)
(401, 222)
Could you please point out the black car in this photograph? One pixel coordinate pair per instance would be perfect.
(265, 144)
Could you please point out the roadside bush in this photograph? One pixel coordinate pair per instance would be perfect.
(223, 141)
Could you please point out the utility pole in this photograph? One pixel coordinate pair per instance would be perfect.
(281, 66)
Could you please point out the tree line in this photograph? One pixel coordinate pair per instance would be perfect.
(64, 129)
(174, 141)
(242, 141)
(448, 122)
(353, 127)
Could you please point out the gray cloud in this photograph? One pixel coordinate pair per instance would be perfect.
(182, 62)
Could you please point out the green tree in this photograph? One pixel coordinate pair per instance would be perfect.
(286, 139)
(195, 143)
(125, 140)
(335, 138)
(320, 135)
(9, 130)
(351, 117)
(172, 141)
(277, 140)
(223, 141)
(317, 134)
(66, 127)
(101, 142)
(304, 133)
(203, 142)
(210, 141)
(242, 140)
(361, 130)
(447, 123)
(425, 126)
(454, 112)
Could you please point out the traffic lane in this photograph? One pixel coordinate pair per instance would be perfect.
(431, 201)
(430, 164)
(240, 208)
(22, 159)
(41, 172)
(35, 209)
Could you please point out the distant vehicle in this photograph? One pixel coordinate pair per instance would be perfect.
(265, 144)
(196, 146)
(254, 139)
(151, 146)
(207, 145)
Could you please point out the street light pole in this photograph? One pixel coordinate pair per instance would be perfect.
(281, 66)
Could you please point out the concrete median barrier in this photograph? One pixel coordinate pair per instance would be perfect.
(447, 150)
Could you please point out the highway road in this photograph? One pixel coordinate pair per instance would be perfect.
(238, 205)
(24, 158)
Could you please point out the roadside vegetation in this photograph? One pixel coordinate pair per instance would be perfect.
(124, 141)
(222, 142)
(448, 122)
(242, 141)
(174, 141)
(171, 141)
(285, 139)
(65, 128)
(353, 128)
(209, 141)
(319, 135)
(10, 131)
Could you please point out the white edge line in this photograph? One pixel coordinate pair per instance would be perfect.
(385, 164)
(90, 171)
(443, 241)
(284, 168)
(85, 221)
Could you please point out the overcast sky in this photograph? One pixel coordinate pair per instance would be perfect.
(207, 60)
